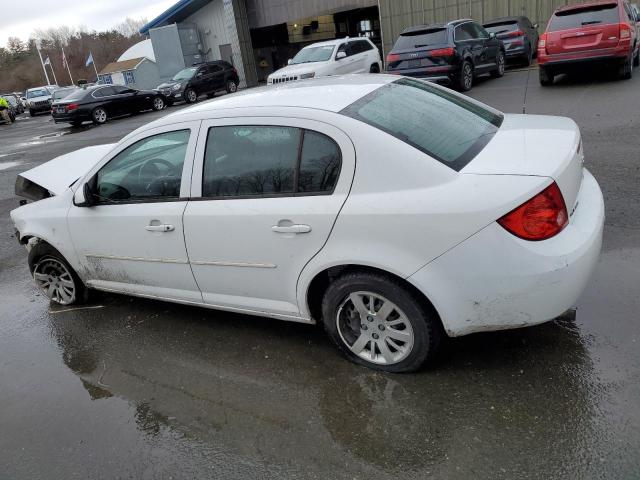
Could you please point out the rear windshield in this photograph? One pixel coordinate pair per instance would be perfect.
(502, 27)
(76, 94)
(434, 120)
(579, 17)
(421, 38)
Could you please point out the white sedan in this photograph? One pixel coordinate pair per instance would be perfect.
(389, 209)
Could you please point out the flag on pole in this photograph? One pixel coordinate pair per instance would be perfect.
(47, 61)
(64, 60)
(89, 60)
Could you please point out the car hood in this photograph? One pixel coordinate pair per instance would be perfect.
(169, 84)
(298, 69)
(55, 176)
(37, 99)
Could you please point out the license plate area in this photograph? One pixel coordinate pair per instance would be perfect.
(60, 110)
(415, 63)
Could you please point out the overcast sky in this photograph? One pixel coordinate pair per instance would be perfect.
(20, 18)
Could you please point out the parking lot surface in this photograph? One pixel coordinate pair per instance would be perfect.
(132, 388)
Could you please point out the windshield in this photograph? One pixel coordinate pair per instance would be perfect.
(502, 27)
(313, 54)
(421, 38)
(589, 15)
(185, 74)
(38, 92)
(440, 123)
(62, 93)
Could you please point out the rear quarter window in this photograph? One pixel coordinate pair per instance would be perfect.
(580, 17)
(440, 123)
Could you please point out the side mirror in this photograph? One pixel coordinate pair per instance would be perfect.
(290, 61)
(341, 55)
(84, 196)
(492, 35)
(535, 25)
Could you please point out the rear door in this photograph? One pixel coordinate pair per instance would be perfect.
(255, 218)
(216, 77)
(467, 37)
(581, 29)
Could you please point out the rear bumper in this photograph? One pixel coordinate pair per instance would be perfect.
(496, 281)
(75, 116)
(437, 74)
(577, 60)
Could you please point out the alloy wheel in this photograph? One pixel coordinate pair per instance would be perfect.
(191, 96)
(467, 76)
(232, 87)
(500, 64)
(100, 115)
(158, 103)
(374, 328)
(55, 280)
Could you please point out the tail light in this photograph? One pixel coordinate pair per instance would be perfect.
(442, 52)
(625, 31)
(542, 43)
(393, 57)
(72, 106)
(540, 218)
(516, 33)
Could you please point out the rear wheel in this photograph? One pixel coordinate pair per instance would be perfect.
(636, 59)
(546, 78)
(99, 116)
(32, 113)
(376, 322)
(55, 277)
(375, 68)
(465, 79)
(529, 57)
(499, 70)
(232, 86)
(190, 95)
(626, 69)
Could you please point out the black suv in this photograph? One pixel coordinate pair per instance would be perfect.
(203, 78)
(452, 53)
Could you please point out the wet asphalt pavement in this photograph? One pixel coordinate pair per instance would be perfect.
(140, 389)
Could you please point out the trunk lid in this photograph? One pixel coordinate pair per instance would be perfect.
(535, 145)
(55, 176)
(576, 29)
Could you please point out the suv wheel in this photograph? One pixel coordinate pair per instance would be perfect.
(626, 69)
(99, 116)
(232, 86)
(636, 59)
(190, 95)
(465, 79)
(376, 322)
(32, 113)
(546, 78)
(499, 71)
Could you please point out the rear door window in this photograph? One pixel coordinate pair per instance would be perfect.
(440, 123)
(579, 17)
(421, 38)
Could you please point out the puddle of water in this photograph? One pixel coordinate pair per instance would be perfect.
(7, 165)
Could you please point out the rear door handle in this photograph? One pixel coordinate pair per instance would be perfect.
(160, 228)
(291, 229)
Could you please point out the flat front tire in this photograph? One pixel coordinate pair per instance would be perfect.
(55, 277)
(377, 322)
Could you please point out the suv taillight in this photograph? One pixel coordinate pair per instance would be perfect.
(393, 57)
(442, 52)
(540, 218)
(625, 31)
(542, 42)
(517, 33)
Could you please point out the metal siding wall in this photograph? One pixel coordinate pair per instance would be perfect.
(262, 13)
(396, 15)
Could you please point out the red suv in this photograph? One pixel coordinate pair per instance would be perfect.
(602, 32)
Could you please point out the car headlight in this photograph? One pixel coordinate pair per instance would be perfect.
(177, 86)
(304, 76)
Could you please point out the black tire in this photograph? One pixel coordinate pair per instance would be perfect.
(375, 68)
(528, 59)
(41, 258)
(32, 113)
(12, 117)
(422, 319)
(465, 78)
(546, 78)
(99, 116)
(76, 123)
(190, 95)
(232, 86)
(158, 103)
(625, 71)
(500, 66)
(636, 59)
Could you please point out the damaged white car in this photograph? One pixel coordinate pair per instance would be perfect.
(389, 209)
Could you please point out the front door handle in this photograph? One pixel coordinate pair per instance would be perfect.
(291, 229)
(160, 228)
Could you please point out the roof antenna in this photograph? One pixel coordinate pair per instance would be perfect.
(526, 89)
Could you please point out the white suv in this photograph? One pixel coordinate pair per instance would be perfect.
(335, 57)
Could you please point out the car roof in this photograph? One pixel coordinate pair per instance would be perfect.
(332, 94)
(337, 41)
(430, 26)
(581, 6)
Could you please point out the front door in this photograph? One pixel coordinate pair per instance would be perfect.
(257, 218)
(132, 239)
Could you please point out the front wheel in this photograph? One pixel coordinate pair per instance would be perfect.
(376, 322)
(32, 113)
(499, 70)
(55, 277)
(158, 103)
(232, 86)
(375, 68)
(545, 77)
(99, 116)
(465, 79)
(190, 95)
